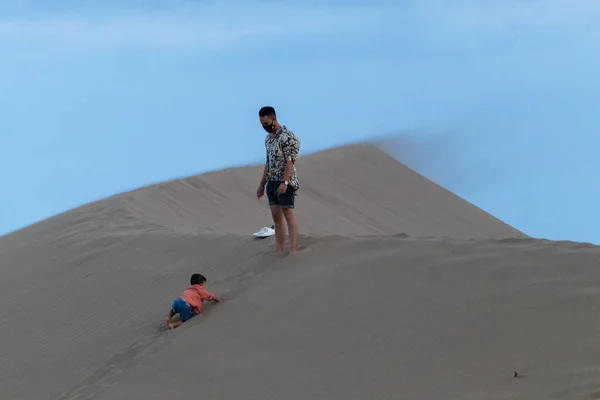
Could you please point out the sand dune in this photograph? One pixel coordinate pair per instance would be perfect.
(347, 190)
(404, 291)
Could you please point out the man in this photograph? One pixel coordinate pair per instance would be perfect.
(279, 176)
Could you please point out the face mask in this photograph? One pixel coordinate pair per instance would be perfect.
(269, 128)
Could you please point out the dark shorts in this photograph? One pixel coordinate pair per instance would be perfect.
(183, 309)
(285, 200)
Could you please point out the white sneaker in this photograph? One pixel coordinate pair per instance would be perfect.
(264, 232)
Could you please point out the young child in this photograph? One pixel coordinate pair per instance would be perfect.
(190, 302)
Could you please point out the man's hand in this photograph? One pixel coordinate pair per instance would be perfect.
(282, 188)
(260, 191)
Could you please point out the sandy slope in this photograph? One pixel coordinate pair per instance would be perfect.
(347, 190)
(365, 312)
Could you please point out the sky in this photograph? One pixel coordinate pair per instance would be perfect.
(497, 100)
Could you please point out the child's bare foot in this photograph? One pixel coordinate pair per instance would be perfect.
(173, 325)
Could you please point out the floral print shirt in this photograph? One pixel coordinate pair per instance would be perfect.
(281, 148)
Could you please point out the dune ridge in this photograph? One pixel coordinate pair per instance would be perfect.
(357, 189)
(402, 291)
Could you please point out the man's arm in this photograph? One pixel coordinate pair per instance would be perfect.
(289, 165)
(290, 148)
(263, 180)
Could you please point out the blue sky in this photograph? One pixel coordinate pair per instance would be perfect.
(496, 100)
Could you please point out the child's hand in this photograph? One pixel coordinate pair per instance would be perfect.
(216, 299)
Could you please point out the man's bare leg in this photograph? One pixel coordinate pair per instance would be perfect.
(279, 222)
(292, 223)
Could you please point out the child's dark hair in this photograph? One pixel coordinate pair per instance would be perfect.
(197, 279)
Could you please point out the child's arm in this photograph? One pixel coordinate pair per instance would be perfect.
(208, 296)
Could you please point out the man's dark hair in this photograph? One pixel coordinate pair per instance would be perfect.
(267, 111)
(197, 279)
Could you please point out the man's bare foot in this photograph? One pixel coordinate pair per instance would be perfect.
(297, 249)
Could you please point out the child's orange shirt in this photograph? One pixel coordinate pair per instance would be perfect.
(194, 295)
